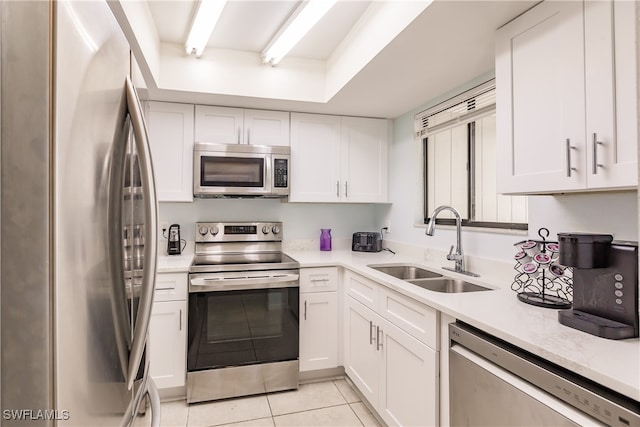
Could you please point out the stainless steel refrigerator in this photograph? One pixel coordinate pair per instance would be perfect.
(78, 218)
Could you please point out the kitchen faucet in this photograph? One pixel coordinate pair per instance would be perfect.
(458, 256)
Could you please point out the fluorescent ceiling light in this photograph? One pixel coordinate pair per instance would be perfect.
(203, 24)
(300, 23)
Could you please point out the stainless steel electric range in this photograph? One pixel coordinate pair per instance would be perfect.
(243, 312)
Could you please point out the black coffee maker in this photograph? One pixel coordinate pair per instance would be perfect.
(605, 284)
(173, 241)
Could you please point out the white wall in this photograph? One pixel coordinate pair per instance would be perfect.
(301, 220)
(607, 212)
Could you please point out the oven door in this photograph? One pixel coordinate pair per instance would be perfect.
(242, 318)
(231, 173)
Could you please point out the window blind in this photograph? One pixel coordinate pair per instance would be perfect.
(467, 107)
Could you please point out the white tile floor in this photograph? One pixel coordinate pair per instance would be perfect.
(328, 403)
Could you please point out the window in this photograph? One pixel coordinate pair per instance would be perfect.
(459, 146)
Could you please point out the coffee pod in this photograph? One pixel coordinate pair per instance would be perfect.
(557, 270)
(522, 257)
(542, 259)
(530, 247)
(531, 268)
(553, 249)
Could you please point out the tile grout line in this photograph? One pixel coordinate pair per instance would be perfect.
(356, 414)
(339, 391)
(314, 409)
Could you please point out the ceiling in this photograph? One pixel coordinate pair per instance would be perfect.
(448, 45)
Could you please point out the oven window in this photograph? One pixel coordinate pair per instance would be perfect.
(236, 328)
(231, 171)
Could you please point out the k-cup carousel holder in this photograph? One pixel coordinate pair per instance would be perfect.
(540, 280)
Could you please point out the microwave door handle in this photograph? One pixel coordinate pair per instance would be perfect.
(115, 240)
(151, 237)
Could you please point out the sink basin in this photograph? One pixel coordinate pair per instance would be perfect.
(405, 271)
(447, 285)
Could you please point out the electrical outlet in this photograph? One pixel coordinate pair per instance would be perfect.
(164, 227)
(387, 229)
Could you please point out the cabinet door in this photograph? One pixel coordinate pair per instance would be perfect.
(220, 125)
(171, 140)
(318, 331)
(364, 159)
(168, 343)
(315, 158)
(361, 358)
(540, 100)
(262, 127)
(611, 99)
(408, 380)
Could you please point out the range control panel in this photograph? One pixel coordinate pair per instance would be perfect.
(238, 232)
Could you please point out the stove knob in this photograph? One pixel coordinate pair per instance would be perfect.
(265, 229)
(214, 230)
(203, 230)
(275, 229)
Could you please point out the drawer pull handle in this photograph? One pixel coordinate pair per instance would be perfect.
(370, 332)
(305, 310)
(180, 319)
(379, 343)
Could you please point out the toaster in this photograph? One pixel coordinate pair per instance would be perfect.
(366, 241)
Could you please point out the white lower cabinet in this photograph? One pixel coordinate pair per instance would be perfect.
(318, 331)
(395, 371)
(168, 331)
(167, 338)
(409, 379)
(318, 318)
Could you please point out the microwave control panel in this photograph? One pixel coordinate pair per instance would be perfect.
(280, 173)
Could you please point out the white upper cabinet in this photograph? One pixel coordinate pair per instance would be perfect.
(262, 127)
(315, 158)
(364, 159)
(566, 103)
(226, 125)
(171, 139)
(611, 96)
(338, 159)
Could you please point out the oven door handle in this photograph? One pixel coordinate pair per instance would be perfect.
(213, 284)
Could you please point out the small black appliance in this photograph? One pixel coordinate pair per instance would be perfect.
(605, 284)
(173, 240)
(366, 241)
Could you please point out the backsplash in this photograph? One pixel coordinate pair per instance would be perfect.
(302, 221)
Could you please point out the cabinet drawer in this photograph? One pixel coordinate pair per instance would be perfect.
(171, 287)
(411, 316)
(318, 279)
(362, 289)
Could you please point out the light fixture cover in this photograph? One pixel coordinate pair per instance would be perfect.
(203, 24)
(302, 21)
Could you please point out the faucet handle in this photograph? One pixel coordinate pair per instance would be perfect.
(452, 256)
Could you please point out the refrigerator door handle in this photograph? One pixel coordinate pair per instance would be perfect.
(151, 238)
(154, 401)
(116, 243)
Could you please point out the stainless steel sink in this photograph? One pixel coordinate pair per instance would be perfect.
(447, 285)
(405, 271)
(427, 279)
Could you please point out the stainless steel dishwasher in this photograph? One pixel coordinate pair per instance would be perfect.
(493, 383)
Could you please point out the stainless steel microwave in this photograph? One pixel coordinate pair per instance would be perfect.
(240, 170)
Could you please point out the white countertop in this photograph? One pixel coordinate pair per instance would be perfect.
(614, 364)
